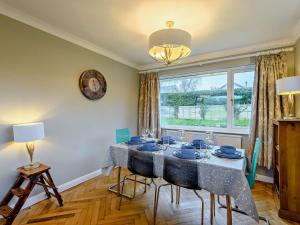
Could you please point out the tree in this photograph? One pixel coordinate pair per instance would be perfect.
(201, 100)
(186, 85)
(242, 101)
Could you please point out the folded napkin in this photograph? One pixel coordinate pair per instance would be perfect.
(135, 140)
(200, 144)
(188, 151)
(150, 147)
(166, 139)
(227, 149)
(235, 155)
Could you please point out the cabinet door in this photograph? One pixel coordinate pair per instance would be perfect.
(289, 141)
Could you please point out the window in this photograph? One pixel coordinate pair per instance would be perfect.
(217, 101)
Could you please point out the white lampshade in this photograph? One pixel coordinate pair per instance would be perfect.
(169, 45)
(28, 132)
(288, 85)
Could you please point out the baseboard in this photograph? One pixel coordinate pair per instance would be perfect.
(41, 196)
(265, 179)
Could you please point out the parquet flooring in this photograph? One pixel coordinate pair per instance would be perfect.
(91, 204)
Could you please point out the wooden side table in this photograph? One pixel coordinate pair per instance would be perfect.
(39, 176)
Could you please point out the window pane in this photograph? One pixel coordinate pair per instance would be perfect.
(243, 87)
(194, 101)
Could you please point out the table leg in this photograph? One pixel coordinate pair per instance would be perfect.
(212, 208)
(229, 212)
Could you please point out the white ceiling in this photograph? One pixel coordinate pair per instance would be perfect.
(120, 28)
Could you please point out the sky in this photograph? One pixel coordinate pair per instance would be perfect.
(213, 81)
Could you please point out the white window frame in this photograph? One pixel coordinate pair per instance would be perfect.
(230, 101)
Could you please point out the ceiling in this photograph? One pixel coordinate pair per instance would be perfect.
(120, 29)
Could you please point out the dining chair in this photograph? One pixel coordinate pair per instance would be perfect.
(184, 174)
(142, 164)
(251, 176)
(122, 135)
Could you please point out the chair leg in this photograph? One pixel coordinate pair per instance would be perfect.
(202, 208)
(156, 200)
(177, 195)
(134, 187)
(145, 187)
(122, 190)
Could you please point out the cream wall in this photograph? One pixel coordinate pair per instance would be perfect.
(297, 71)
(39, 82)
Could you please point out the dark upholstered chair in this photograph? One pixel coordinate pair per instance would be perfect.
(142, 164)
(182, 173)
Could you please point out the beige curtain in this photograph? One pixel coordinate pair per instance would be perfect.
(149, 103)
(266, 105)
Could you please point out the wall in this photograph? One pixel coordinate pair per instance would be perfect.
(297, 72)
(39, 82)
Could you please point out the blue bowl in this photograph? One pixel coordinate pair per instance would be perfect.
(228, 149)
(187, 150)
(165, 139)
(198, 142)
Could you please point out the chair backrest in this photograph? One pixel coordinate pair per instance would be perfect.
(251, 176)
(180, 172)
(122, 135)
(141, 163)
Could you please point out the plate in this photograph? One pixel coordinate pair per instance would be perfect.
(236, 155)
(178, 154)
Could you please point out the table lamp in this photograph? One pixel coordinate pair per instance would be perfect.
(28, 133)
(289, 86)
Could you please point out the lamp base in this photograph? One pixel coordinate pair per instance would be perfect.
(32, 166)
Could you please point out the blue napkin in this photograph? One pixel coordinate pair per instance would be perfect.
(150, 147)
(165, 139)
(227, 149)
(135, 140)
(236, 155)
(188, 151)
(200, 144)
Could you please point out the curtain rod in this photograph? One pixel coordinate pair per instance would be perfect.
(240, 56)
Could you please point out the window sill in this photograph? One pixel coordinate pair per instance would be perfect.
(204, 129)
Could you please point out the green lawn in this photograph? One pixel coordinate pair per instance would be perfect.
(204, 123)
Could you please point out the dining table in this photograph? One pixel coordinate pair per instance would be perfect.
(219, 176)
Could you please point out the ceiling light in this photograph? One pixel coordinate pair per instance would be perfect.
(169, 45)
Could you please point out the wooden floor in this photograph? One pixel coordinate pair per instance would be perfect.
(90, 203)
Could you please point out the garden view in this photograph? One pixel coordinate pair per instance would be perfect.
(202, 100)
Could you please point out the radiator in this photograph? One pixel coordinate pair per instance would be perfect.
(220, 139)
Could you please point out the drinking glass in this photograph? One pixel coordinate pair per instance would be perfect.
(166, 143)
(181, 135)
(152, 132)
(209, 139)
(145, 133)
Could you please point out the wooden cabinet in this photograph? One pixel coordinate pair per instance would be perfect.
(286, 167)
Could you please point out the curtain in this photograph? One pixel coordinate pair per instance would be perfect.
(148, 117)
(266, 105)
